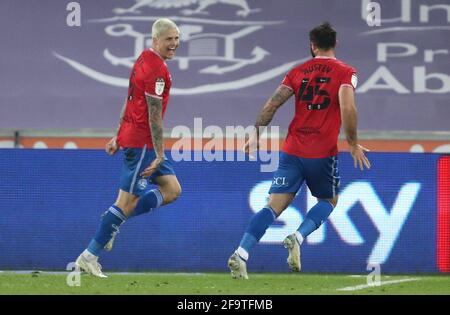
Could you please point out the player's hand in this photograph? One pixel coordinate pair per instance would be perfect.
(153, 167)
(251, 145)
(359, 158)
(112, 146)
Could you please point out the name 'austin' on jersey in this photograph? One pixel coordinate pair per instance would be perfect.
(314, 131)
(149, 76)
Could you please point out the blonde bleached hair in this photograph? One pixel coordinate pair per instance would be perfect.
(162, 25)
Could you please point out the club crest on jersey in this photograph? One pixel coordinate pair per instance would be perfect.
(159, 86)
(142, 184)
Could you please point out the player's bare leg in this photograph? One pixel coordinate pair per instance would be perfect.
(170, 188)
(126, 201)
(279, 202)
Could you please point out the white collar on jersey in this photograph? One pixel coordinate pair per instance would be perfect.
(324, 57)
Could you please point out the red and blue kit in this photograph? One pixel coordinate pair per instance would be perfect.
(314, 131)
(150, 76)
(310, 149)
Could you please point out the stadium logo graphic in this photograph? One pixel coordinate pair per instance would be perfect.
(208, 45)
(201, 8)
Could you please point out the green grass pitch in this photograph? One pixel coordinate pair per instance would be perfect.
(221, 284)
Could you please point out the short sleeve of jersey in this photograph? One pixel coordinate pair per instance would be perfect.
(155, 82)
(287, 81)
(350, 78)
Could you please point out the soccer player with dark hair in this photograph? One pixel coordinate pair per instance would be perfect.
(324, 95)
(140, 135)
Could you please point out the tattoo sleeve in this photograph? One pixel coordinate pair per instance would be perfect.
(279, 97)
(155, 121)
(122, 113)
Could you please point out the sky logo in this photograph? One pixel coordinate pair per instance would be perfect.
(388, 221)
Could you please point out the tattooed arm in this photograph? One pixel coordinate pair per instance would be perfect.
(155, 120)
(112, 146)
(279, 97)
(156, 127)
(122, 113)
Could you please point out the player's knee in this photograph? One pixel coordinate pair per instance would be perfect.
(127, 206)
(126, 202)
(280, 202)
(276, 208)
(333, 201)
(172, 193)
(175, 193)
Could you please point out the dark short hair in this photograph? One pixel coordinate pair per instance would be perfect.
(323, 36)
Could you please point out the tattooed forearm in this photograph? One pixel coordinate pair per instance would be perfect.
(155, 120)
(122, 113)
(265, 116)
(281, 95)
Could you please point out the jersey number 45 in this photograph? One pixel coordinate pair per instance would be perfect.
(313, 94)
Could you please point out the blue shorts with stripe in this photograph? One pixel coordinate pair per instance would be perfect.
(135, 161)
(321, 176)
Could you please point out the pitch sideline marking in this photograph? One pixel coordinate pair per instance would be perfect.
(365, 286)
(46, 272)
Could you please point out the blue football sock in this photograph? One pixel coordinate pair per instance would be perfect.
(150, 200)
(257, 227)
(315, 217)
(111, 220)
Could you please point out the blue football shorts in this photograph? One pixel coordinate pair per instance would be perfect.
(321, 176)
(135, 161)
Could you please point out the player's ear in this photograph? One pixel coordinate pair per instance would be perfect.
(312, 48)
(154, 41)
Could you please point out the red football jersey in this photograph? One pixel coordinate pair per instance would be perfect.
(150, 76)
(314, 131)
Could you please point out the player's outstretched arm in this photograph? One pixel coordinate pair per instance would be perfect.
(156, 127)
(278, 98)
(112, 147)
(349, 117)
